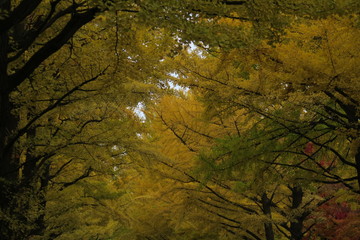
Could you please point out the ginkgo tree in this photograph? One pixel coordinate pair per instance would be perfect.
(72, 71)
(289, 124)
(301, 98)
(197, 167)
(66, 102)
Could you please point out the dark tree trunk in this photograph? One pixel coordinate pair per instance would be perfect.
(5, 106)
(8, 158)
(19, 184)
(353, 119)
(357, 162)
(266, 207)
(297, 223)
(9, 173)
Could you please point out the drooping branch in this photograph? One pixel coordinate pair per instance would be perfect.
(251, 233)
(82, 176)
(211, 190)
(23, 130)
(182, 140)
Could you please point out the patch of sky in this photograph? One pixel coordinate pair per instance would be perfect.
(139, 111)
(168, 83)
(139, 135)
(200, 51)
(174, 86)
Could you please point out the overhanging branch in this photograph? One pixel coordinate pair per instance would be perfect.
(75, 23)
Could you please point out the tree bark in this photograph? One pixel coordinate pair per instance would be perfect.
(297, 223)
(16, 189)
(357, 162)
(266, 207)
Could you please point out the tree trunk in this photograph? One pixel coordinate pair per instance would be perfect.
(15, 198)
(357, 162)
(8, 159)
(9, 164)
(5, 107)
(266, 207)
(296, 224)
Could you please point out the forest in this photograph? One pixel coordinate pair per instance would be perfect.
(179, 120)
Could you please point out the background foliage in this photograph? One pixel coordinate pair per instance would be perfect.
(179, 119)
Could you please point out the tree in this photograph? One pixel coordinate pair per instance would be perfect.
(299, 99)
(200, 186)
(57, 99)
(336, 217)
(59, 82)
(298, 115)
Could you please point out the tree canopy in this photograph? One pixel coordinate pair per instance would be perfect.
(146, 119)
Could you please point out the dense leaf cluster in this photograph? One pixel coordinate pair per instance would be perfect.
(249, 130)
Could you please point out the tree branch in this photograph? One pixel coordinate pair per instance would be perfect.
(23, 130)
(24, 9)
(75, 23)
(50, 19)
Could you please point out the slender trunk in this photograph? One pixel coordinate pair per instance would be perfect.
(357, 162)
(351, 111)
(266, 207)
(296, 224)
